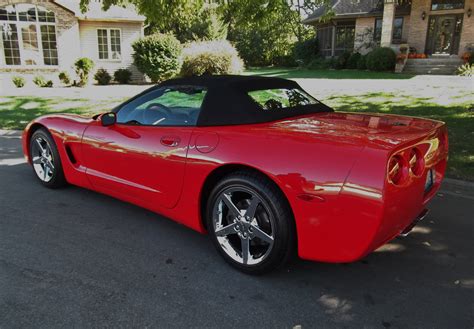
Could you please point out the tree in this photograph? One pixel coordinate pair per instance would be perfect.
(263, 31)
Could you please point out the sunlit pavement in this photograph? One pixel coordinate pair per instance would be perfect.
(75, 258)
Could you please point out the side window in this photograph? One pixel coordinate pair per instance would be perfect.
(275, 99)
(167, 106)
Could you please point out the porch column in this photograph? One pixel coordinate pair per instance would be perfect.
(387, 23)
(333, 40)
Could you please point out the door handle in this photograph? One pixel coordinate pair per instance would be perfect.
(170, 141)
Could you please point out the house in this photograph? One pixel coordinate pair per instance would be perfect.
(441, 29)
(45, 37)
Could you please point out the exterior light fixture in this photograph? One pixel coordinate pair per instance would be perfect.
(469, 12)
(423, 15)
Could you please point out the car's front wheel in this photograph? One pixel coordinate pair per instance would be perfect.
(45, 160)
(250, 223)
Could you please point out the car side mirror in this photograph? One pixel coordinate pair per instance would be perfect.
(108, 119)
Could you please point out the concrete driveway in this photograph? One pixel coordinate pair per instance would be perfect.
(75, 258)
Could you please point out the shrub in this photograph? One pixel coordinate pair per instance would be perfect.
(381, 59)
(361, 63)
(102, 77)
(341, 62)
(64, 78)
(305, 51)
(157, 56)
(123, 76)
(83, 67)
(466, 70)
(319, 63)
(19, 82)
(210, 57)
(285, 61)
(40, 81)
(353, 61)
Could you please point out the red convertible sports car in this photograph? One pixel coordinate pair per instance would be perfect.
(257, 163)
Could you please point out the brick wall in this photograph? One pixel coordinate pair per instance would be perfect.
(419, 27)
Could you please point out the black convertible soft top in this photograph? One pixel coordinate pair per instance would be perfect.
(227, 101)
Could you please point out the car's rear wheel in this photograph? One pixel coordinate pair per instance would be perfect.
(250, 223)
(45, 160)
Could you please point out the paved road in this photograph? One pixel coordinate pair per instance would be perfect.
(75, 258)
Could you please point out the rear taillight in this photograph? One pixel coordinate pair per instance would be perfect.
(443, 140)
(416, 162)
(397, 169)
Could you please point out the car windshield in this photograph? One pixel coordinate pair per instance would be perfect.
(170, 106)
(273, 99)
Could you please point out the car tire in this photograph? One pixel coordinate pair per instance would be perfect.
(45, 160)
(258, 234)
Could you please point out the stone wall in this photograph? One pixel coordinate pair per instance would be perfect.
(364, 34)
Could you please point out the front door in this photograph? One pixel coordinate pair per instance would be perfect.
(444, 33)
(142, 157)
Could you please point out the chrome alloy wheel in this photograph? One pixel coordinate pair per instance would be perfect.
(243, 225)
(42, 158)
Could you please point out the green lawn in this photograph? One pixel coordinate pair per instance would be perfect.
(17, 111)
(297, 73)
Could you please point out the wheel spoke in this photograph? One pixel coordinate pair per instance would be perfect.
(261, 234)
(245, 243)
(226, 230)
(45, 172)
(42, 149)
(50, 164)
(36, 160)
(228, 201)
(250, 213)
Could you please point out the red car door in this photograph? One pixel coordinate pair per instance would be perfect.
(143, 155)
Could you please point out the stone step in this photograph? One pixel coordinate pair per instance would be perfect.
(434, 66)
(431, 71)
(423, 62)
(437, 66)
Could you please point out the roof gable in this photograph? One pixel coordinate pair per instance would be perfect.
(354, 8)
(95, 12)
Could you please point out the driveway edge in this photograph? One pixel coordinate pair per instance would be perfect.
(14, 133)
(458, 182)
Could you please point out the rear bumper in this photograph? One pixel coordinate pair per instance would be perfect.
(360, 220)
(410, 227)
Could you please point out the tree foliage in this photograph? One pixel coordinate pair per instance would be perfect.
(263, 31)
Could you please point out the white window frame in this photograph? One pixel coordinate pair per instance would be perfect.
(19, 24)
(109, 44)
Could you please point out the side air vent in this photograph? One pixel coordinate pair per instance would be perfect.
(70, 155)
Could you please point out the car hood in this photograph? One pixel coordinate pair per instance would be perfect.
(385, 131)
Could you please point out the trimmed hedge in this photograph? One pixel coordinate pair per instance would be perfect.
(123, 76)
(353, 61)
(102, 77)
(158, 56)
(381, 59)
(211, 57)
(362, 63)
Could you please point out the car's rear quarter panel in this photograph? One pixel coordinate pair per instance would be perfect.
(311, 174)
